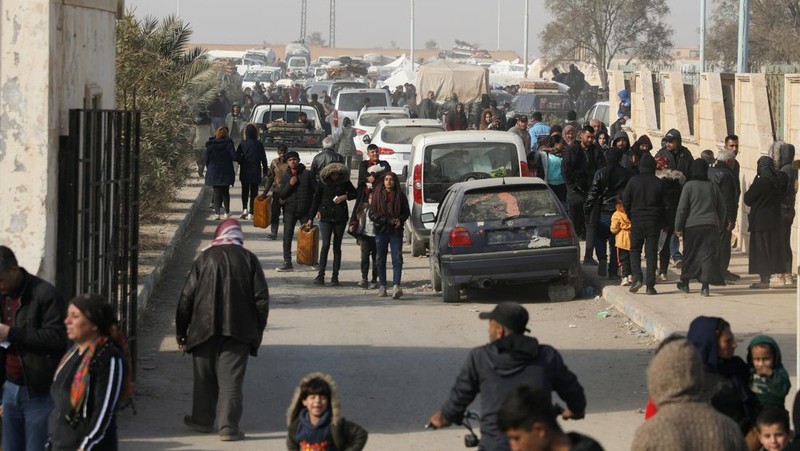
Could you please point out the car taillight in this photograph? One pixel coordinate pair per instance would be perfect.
(562, 229)
(523, 168)
(360, 131)
(336, 118)
(359, 152)
(459, 236)
(385, 151)
(418, 184)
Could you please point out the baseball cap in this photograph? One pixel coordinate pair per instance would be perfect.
(523, 118)
(510, 315)
(669, 137)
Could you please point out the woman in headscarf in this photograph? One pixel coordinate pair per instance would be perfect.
(569, 135)
(767, 241)
(220, 155)
(726, 375)
(253, 166)
(456, 119)
(389, 211)
(699, 218)
(602, 140)
(90, 380)
(486, 119)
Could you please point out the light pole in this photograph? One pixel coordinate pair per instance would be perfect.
(744, 36)
(525, 47)
(702, 35)
(498, 24)
(178, 8)
(412, 36)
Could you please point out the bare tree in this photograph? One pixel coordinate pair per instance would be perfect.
(597, 31)
(315, 38)
(431, 44)
(774, 33)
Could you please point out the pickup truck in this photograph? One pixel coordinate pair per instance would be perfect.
(278, 123)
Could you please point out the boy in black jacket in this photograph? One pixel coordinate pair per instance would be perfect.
(297, 190)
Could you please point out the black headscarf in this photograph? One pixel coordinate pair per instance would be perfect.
(699, 170)
(765, 168)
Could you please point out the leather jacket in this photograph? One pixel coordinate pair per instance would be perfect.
(323, 159)
(607, 184)
(297, 197)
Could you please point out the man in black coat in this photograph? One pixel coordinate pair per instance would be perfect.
(297, 190)
(721, 173)
(601, 203)
(579, 165)
(33, 329)
(324, 158)
(645, 205)
(680, 159)
(495, 369)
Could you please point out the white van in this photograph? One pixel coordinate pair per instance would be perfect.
(349, 102)
(438, 160)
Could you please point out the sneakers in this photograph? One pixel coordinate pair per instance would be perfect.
(589, 262)
(272, 236)
(678, 263)
(625, 282)
(319, 280)
(636, 286)
(759, 286)
(382, 292)
(602, 270)
(397, 292)
(363, 284)
(217, 217)
(651, 291)
(228, 435)
(662, 278)
(197, 427)
(704, 291)
(286, 267)
(244, 214)
(335, 282)
(249, 216)
(373, 285)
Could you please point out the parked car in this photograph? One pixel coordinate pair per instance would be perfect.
(503, 231)
(438, 160)
(366, 122)
(278, 124)
(349, 102)
(542, 96)
(599, 110)
(394, 137)
(332, 87)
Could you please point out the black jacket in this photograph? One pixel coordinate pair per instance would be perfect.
(723, 177)
(607, 184)
(680, 160)
(495, 369)
(225, 294)
(323, 159)
(327, 189)
(363, 172)
(252, 158)
(39, 334)
(764, 199)
(644, 199)
(785, 160)
(96, 428)
(220, 155)
(297, 197)
(579, 167)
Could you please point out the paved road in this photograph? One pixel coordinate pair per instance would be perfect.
(394, 360)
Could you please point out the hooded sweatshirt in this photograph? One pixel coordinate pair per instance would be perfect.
(493, 370)
(684, 420)
(628, 159)
(701, 202)
(785, 167)
(682, 158)
(344, 435)
(770, 390)
(327, 189)
(608, 182)
(252, 157)
(643, 198)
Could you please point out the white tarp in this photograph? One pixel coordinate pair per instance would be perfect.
(399, 77)
(445, 77)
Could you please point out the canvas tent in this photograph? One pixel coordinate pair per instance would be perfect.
(445, 77)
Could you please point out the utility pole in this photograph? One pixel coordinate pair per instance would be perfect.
(525, 47)
(412, 36)
(498, 24)
(178, 9)
(303, 12)
(332, 30)
(702, 35)
(742, 65)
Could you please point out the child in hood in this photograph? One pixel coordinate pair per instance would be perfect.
(768, 378)
(315, 420)
(621, 228)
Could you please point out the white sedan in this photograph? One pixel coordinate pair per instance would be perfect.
(394, 137)
(366, 122)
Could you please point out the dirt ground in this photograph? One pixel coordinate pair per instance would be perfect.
(394, 361)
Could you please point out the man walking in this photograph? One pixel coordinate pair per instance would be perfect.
(324, 158)
(277, 168)
(495, 369)
(35, 339)
(297, 190)
(678, 158)
(428, 109)
(220, 319)
(721, 173)
(580, 163)
(538, 130)
(521, 130)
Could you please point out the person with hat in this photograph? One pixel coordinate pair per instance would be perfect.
(90, 380)
(495, 369)
(272, 187)
(220, 320)
(297, 191)
(521, 130)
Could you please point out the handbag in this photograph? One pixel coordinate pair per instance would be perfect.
(262, 211)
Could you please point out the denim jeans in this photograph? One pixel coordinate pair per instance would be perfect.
(383, 241)
(674, 247)
(24, 419)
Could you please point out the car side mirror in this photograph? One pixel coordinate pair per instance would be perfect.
(366, 139)
(427, 218)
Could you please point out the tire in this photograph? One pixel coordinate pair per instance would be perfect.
(450, 292)
(417, 246)
(577, 284)
(436, 279)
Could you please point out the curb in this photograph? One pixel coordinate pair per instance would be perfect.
(146, 286)
(639, 312)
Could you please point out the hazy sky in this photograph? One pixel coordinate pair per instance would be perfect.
(368, 23)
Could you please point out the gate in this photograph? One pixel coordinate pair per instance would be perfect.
(98, 212)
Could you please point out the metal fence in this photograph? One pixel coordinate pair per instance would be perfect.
(98, 211)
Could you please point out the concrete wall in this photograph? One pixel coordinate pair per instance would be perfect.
(53, 52)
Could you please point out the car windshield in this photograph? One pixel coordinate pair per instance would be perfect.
(532, 201)
(353, 101)
(267, 115)
(258, 76)
(540, 102)
(371, 120)
(446, 164)
(406, 134)
(297, 62)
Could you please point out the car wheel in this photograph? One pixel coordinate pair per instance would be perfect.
(417, 246)
(450, 292)
(577, 284)
(436, 279)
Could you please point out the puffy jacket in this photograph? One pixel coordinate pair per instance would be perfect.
(323, 159)
(220, 155)
(252, 157)
(680, 160)
(621, 228)
(327, 189)
(723, 177)
(607, 184)
(297, 197)
(39, 334)
(225, 280)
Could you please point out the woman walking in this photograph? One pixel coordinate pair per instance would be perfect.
(767, 241)
(220, 155)
(699, 219)
(344, 142)
(253, 166)
(330, 207)
(362, 228)
(389, 211)
(456, 119)
(89, 381)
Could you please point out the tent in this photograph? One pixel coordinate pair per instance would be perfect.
(445, 77)
(399, 77)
